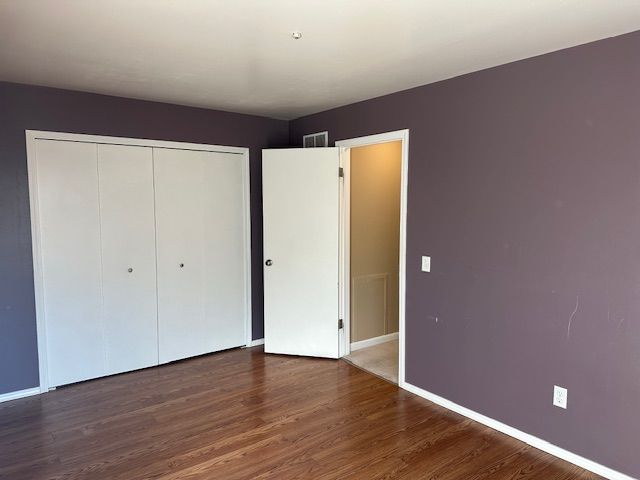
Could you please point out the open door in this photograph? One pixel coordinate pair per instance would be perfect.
(301, 238)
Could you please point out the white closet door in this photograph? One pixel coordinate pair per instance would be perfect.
(67, 183)
(128, 256)
(200, 228)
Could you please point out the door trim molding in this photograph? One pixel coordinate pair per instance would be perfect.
(139, 142)
(345, 161)
(32, 136)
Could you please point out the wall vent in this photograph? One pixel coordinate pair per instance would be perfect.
(312, 140)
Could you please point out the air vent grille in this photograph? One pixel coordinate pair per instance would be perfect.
(312, 140)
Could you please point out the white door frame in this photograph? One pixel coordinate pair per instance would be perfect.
(32, 136)
(345, 225)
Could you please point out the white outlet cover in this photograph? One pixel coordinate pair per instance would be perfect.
(560, 396)
(426, 263)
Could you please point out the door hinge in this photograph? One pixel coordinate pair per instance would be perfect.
(340, 323)
(340, 172)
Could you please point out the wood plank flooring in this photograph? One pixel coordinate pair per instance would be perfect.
(242, 414)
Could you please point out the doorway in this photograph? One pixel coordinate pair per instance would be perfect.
(372, 260)
(307, 266)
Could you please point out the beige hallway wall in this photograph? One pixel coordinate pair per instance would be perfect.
(375, 239)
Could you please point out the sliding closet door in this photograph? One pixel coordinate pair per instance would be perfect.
(128, 256)
(200, 228)
(69, 235)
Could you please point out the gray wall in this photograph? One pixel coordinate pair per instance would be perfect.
(25, 107)
(524, 187)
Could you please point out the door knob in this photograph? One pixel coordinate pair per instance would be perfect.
(268, 263)
(129, 269)
(182, 265)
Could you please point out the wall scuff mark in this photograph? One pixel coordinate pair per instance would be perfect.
(573, 315)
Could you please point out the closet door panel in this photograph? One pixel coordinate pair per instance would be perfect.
(225, 253)
(182, 330)
(68, 211)
(200, 238)
(128, 256)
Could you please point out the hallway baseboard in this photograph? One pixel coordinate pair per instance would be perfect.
(369, 342)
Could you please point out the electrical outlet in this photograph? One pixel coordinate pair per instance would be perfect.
(426, 264)
(560, 396)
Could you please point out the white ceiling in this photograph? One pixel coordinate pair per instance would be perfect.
(238, 55)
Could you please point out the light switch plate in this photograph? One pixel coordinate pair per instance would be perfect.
(426, 263)
(560, 396)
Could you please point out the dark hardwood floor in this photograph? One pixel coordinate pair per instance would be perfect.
(245, 415)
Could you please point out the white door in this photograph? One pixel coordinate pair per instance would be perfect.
(301, 220)
(200, 228)
(128, 257)
(69, 235)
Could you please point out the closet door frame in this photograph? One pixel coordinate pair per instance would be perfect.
(32, 136)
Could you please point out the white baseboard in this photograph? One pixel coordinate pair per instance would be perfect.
(520, 435)
(255, 343)
(5, 397)
(369, 342)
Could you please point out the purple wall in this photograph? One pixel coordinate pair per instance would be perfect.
(524, 187)
(25, 107)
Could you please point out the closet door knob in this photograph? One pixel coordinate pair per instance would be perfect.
(129, 269)
(268, 263)
(182, 265)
